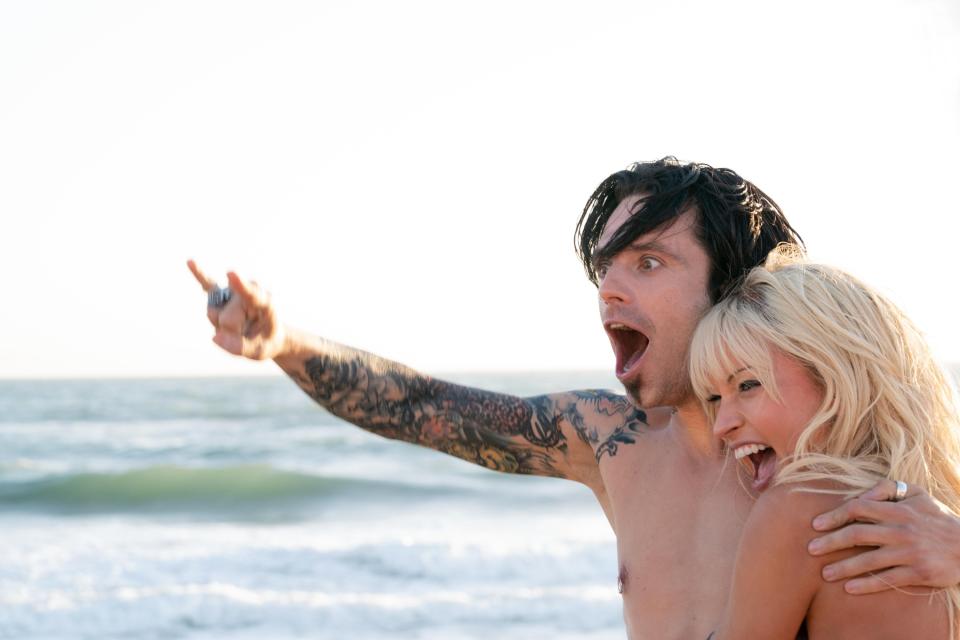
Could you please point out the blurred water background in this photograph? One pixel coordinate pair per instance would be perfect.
(236, 508)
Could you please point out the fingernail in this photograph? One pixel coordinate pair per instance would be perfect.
(852, 587)
(819, 523)
(814, 546)
(829, 573)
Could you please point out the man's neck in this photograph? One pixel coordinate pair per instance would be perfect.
(693, 430)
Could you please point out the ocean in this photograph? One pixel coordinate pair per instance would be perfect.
(212, 508)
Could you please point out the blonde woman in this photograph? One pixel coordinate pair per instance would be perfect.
(820, 386)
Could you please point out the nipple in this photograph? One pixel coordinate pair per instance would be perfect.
(622, 579)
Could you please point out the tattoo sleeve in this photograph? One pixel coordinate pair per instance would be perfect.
(494, 430)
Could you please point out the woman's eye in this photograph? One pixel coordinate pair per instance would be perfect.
(746, 385)
(649, 264)
(713, 398)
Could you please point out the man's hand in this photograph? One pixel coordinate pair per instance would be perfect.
(917, 541)
(247, 325)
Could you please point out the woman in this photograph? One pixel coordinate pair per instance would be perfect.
(821, 386)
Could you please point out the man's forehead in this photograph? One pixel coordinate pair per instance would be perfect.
(629, 207)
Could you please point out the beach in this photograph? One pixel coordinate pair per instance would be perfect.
(218, 508)
(236, 508)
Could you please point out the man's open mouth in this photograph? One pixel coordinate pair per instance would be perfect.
(762, 459)
(629, 345)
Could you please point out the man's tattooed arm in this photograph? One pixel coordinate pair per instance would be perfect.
(551, 435)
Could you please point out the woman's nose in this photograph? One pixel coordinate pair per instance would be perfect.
(726, 420)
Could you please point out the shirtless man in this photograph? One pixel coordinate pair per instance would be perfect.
(662, 241)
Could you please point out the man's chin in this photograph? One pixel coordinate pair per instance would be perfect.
(648, 396)
(633, 392)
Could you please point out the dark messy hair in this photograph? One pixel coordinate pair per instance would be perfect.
(736, 223)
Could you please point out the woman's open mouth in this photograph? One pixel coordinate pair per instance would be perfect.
(762, 458)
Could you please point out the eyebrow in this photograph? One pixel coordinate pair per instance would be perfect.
(650, 245)
(736, 372)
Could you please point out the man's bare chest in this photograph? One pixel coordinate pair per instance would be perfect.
(677, 530)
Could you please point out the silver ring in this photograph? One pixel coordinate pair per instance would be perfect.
(218, 297)
(901, 491)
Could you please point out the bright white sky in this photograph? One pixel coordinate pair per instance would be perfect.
(406, 176)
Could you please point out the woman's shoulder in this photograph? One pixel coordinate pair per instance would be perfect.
(777, 532)
(773, 566)
(781, 524)
(780, 528)
(789, 509)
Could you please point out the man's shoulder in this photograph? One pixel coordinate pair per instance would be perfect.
(597, 409)
(614, 409)
(602, 401)
(608, 421)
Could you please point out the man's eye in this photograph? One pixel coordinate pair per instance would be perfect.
(649, 264)
(746, 385)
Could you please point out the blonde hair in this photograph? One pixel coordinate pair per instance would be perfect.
(888, 410)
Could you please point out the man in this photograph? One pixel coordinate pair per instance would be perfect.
(662, 241)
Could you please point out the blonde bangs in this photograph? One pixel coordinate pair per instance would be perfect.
(730, 337)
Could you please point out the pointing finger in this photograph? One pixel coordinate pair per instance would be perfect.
(205, 281)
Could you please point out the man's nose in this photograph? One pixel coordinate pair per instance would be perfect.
(612, 287)
(726, 420)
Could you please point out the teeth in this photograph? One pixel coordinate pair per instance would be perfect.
(748, 449)
(619, 327)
